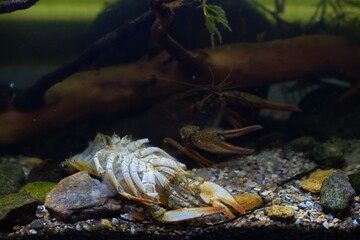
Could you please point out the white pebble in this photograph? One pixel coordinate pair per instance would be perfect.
(132, 229)
(240, 173)
(250, 184)
(299, 221)
(326, 225)
(309, 204)
(78, 227)
(265, 193)
(115, 220)
(32, 231)
(294, 207)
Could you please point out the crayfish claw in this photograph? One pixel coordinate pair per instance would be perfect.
(240, 131)
(218, 196)
(213, 139)
(227, 148)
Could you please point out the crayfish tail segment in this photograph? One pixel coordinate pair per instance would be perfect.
(240, 131)
(216, 195)
(79, 165)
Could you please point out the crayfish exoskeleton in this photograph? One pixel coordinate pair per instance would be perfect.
(150, 175)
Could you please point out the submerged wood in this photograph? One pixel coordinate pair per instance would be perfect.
(144, 83)
(7, 6)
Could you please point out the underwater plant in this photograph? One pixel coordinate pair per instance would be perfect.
(214, 15)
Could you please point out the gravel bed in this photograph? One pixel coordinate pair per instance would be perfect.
(259, 173)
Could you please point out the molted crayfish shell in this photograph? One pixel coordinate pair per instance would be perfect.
(150, 175)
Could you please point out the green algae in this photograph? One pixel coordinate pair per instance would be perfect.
(38, 190)
(16, 202)
(11, 179)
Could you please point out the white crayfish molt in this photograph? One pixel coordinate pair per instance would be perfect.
(150, 175)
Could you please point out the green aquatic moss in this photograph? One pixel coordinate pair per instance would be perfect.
(38, 190)
(11, 178)
(328, 154)
(14, 201)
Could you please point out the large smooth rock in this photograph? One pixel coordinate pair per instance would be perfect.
(79, 196)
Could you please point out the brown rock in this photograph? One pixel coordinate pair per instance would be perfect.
(314, 181)
(249, 201)
(280, 212)
(80, 196)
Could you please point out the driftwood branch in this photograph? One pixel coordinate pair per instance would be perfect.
(143, 83)
(33, 97)
(164, 19)
(14, 5)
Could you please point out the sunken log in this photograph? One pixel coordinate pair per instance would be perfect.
(124, 88)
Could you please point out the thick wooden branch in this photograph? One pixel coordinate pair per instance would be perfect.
(8, 6)
(33, 97)
(143, 83)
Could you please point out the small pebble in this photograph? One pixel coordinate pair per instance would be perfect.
(106, 223)
(326, 225)
(37, 224)
(132, 229)
(250, 184)
(78, 227)
(32, 232)
(280, 212)
(265, 193)
(276, 201)
(248, 201)
(299, 221)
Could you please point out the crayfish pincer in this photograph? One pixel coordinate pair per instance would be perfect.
(210, 140)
